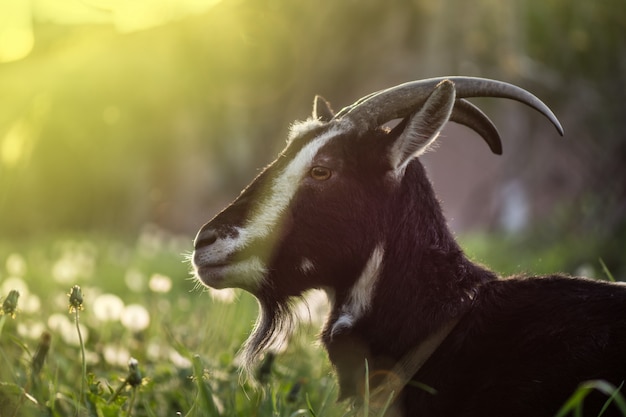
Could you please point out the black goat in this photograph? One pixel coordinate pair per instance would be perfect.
(347, 207)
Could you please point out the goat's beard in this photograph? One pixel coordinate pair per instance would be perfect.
(272, 328)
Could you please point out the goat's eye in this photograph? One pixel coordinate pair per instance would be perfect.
(320, 173)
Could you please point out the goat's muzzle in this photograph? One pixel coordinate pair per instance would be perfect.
(220, 260)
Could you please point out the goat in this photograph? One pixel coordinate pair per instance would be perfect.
(347, 208)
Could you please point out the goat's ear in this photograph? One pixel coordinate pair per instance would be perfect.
(322, 110)
(423, 127)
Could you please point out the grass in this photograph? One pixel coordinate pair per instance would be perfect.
(106, 327)
(111, 328)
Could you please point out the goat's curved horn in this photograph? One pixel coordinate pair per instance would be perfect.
(467, 114)
(396, 102)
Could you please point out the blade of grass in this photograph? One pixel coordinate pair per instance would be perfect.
(204, 390)
(575, 402)
(606, 271)
(309, 406)
(387, 404)
(330, 389)
(615, 397)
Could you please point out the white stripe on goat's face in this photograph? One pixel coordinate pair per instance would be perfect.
(242, 244)
(283, 188)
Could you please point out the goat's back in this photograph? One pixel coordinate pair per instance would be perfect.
(524, 347)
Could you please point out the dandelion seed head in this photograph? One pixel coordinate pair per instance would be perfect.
(135, 317)
(62, 325)
(92, 358)
(116, 355)
(160, 283)
(585, 270)
(57, 322)
(313, 307)
(30, 329)
(107, 307)
(71, 337)
(16, 265)
(14, 283)
(30, 303)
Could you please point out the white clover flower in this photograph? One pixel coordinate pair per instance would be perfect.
(107, 307)
(160, 283)
(135, 317)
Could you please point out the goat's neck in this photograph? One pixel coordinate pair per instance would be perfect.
(419, 281)
(425, 280)
(407, 309)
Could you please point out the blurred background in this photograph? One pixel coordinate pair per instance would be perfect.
(116, 115)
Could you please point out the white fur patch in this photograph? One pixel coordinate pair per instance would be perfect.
(220, 249)
(246, 274)
(302, 128)
(252, 267)
(226, 295)
(360, 297)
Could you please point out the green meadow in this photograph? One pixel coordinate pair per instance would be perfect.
(138, 304)
(109, 327)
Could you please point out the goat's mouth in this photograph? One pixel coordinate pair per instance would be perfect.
(246, 274)
(212, 275)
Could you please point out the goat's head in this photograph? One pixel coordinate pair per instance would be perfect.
(320, 214)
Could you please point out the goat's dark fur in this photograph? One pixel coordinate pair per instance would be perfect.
(520, 346)
(524, 346)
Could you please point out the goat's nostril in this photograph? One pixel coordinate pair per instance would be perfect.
(205, 238)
